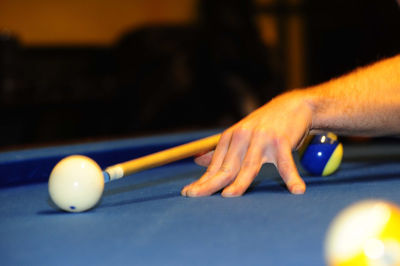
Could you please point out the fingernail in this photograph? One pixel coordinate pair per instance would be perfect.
(184, 190)
(297, 189)
(229, 193)
(191, 192)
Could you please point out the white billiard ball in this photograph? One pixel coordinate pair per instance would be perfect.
(76, 183)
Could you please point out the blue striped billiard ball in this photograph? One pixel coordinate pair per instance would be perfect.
(321, 154)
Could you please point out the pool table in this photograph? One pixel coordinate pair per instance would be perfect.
(143, 220)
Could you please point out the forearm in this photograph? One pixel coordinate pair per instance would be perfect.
(364, 102)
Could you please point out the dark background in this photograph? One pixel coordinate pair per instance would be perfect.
(163, 78)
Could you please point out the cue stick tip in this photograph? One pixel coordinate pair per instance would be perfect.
(114, 172)
(106, 177)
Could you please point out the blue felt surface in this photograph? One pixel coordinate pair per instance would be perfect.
(143, 220)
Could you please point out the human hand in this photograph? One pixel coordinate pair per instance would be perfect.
(268, 135)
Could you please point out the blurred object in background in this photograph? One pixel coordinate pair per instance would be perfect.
(208, 74)
(345, 34)
(72, 70)
(13, 94)
(206, 69)
(9, 67)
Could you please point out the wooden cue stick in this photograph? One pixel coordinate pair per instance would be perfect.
(163, 157)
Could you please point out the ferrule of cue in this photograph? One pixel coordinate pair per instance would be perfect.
(160, 158)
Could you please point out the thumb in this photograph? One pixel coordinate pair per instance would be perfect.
(204, 159)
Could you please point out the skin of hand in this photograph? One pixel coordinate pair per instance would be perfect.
(268, 135)
(365, 102)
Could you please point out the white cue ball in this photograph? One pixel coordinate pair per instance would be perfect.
(76, 183)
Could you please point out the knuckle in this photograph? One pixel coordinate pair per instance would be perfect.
(248, 164)
(226, 174)
(268, 134)
(278, 141)
(251, 168)
(242, 131)
(210, 172)
(225, 135)
(283, 164)
(285, 167)
(212, 167)
(262, 131)
(227, 170)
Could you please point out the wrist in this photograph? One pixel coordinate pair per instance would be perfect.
(309, 100)
(317, 100)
